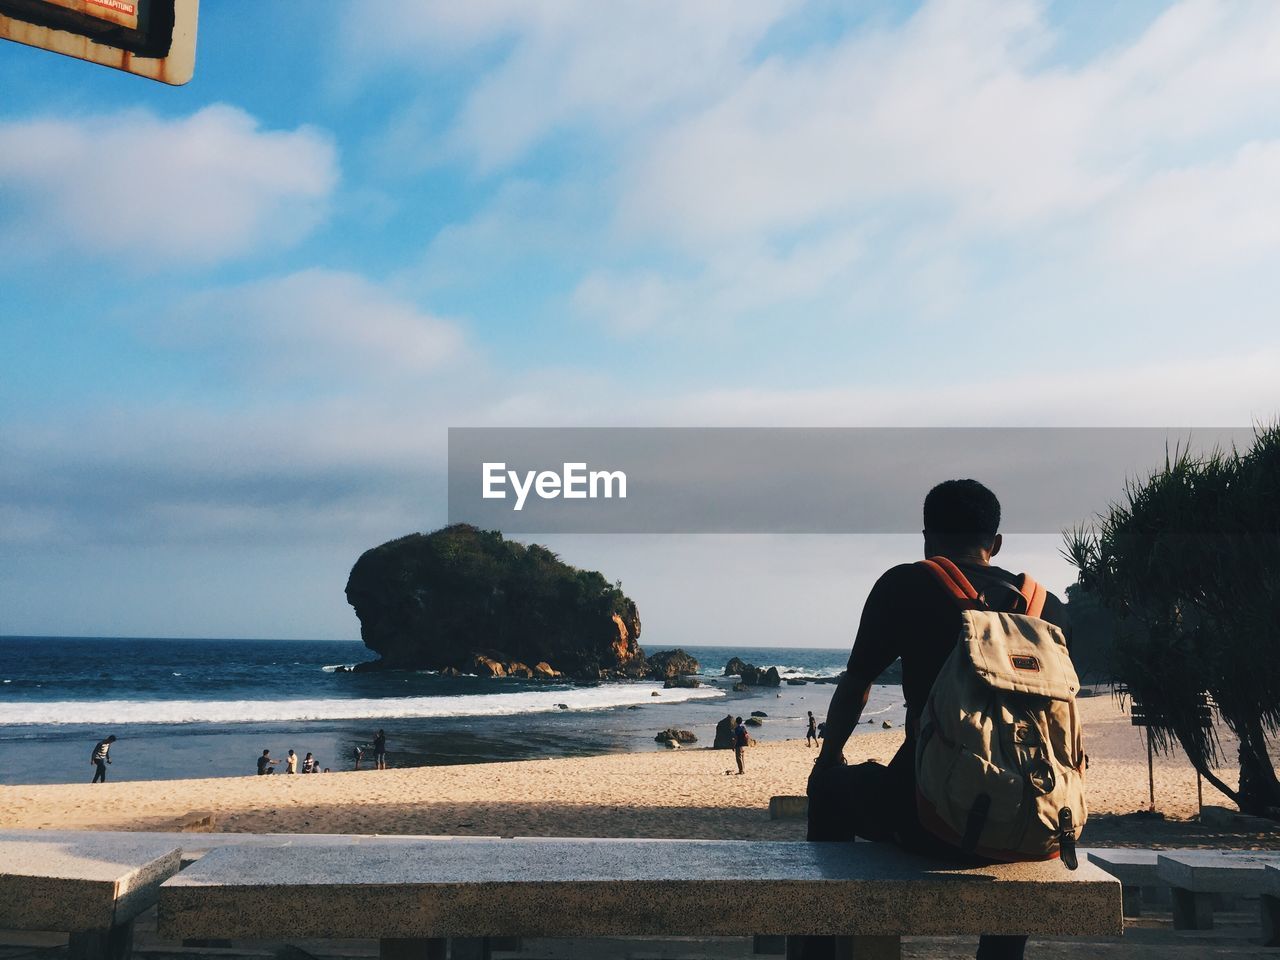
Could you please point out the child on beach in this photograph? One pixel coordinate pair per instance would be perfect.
(291, 763)
(811, 735)
(265, 763)
(100, 758)
(308, 764)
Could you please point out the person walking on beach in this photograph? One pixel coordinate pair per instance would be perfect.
(380, 750)
(740, 740)
(909, 615)
(265, 763)
(100, 758)
(811, 734)
(291, 763)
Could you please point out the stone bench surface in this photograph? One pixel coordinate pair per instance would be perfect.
(1130, 867)
(1216, 871)
(74, 884)
(568, 888)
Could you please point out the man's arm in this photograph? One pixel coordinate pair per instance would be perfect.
(846, 708)
(874, 648)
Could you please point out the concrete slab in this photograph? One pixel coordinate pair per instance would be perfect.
(196, 845)
(1215, 871)
(87, 883)
(627, 888)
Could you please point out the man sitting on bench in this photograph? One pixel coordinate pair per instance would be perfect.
(906, 615)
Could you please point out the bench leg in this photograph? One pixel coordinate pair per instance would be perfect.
(1270, 907)
(469, 948)
(424, 949)
(113, 944)
(768, 945)
(844, 948)
(1131, 901)
(1191, 910)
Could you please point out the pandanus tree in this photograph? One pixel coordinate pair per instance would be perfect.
(1188, 564)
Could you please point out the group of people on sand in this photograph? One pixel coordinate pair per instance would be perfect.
(309, 764)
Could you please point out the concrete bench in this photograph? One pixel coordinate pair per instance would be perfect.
(1269, 902)
(1136, 871)
(91, 887)
(1195, 876)
(423, 900)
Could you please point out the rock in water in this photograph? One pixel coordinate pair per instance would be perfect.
(724, 734)
(689, 683)
(758, 713)
(666, 664)
(680, 736)
(444, 599)
(734, 667)
(753, 721)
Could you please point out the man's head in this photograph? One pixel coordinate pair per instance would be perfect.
(266, 753)
(961, 519)
(111, 738)
(737, 719)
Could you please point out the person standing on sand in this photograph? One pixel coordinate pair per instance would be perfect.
(740, 740)
(357, 754)
(380, 750)
(99, 758)
(265, 763)
(908, 615)
(291, 763)
(308, 764)
(811, 735)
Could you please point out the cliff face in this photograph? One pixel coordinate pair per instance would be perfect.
(435, 601)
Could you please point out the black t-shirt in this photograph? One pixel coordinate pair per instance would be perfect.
(379, 744)
(909, 615)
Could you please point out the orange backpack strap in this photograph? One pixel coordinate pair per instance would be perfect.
(1034, 593)
(954, 582)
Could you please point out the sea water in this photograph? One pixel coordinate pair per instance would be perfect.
(199, 708)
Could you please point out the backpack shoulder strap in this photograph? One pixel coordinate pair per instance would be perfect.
(954, 582)
(1034, 593)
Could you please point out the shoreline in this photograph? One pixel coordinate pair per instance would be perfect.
(670, 793)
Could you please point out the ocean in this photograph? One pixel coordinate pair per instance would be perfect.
(206, 708)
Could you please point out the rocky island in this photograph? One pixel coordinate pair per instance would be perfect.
(467, 600)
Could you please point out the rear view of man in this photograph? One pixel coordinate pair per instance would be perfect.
(100, 758)
(908, 615)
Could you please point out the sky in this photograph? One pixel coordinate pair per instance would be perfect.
(237, 318)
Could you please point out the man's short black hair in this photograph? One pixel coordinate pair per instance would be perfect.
(962, 513)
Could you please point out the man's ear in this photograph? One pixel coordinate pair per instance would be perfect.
(996, 543)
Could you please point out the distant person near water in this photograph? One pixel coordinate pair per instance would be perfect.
(309, 764)
(291, 763)
(265, 763)
(100, 758)
(916, 611)
(811, 735)
(357, 754)
(740, 740)
(380, 750)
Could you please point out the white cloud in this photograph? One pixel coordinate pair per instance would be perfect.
(140, 192)
(321, 325)
(960, 109)
(567, 62)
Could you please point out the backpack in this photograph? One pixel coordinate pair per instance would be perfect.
(1000, 752)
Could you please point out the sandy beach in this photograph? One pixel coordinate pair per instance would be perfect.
(679, 793)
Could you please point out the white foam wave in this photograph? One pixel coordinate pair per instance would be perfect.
(335, 667)
(63, 713)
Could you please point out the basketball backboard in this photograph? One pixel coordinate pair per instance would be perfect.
(150, 38)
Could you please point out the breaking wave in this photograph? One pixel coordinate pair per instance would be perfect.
(91, 712)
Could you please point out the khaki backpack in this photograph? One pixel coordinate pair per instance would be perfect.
(1000, 754)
